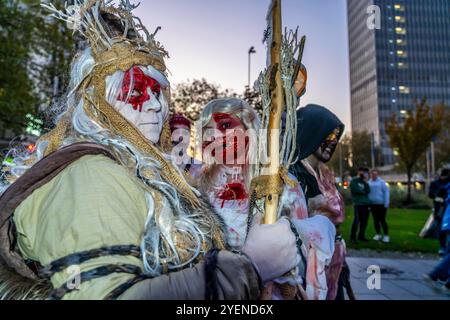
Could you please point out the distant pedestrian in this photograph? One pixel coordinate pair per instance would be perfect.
(441, 273)
(438, 194)
(379, 204)
(360, 190)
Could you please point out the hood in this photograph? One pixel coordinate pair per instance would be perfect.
(314, 124)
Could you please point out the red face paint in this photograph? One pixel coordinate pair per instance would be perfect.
(231, 127)
(226, 121)
(141, 83)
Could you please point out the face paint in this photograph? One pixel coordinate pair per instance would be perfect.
(141, 85)
(145, 107)
(328, 146)
(230, 141)
(226, 121)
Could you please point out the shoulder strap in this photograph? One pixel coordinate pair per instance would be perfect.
(38, 175)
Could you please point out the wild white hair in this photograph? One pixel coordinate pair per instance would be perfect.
(173, 215)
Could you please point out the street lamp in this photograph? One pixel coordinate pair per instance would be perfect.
(250, 51)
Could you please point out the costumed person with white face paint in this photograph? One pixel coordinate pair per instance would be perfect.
(318, 134)
(230, 132)
(180, 128)
(99, 210)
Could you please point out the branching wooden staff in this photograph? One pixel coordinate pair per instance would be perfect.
(276, 110)
(281, 85)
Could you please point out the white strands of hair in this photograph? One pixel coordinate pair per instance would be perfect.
(86, 129)
(85, 126)
(16, 162)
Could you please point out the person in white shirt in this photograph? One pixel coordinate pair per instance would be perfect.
(379, 203)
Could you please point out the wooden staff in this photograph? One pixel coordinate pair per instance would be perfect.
(276, 110)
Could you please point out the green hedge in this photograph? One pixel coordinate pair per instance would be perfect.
(398, 195)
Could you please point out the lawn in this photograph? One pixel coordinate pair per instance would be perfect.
(404, 228)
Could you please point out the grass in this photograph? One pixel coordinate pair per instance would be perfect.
(404, 228)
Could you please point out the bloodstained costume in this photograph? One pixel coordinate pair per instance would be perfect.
(318, 128)
(99, 210)
(227, 186)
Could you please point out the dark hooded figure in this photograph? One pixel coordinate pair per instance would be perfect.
(318, 134)
(315, 124)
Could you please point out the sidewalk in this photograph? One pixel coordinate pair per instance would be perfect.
(400, 279)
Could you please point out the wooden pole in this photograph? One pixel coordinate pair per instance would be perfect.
(271, 201)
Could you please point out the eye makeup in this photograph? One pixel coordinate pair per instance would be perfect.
(139, 91)
(226, 121)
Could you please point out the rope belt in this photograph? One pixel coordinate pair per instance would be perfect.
(80, 257)
(85, 276)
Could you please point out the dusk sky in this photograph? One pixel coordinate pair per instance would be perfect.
(210, 39)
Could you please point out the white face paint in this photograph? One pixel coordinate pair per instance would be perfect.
(149, 121)
(144, 105)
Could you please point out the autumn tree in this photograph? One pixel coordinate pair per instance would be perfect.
(56, 49)
(352, 152)
(190, 97)
(35, 55)
(441, 145)
(340, 163)
(253, 98)
(361, 149)
(411, 136)
(16, 96)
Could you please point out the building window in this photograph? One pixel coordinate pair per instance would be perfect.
(399, 7)
(399, 19)
(403, 89)
(402, 53)
(400, 30)
(401, 42)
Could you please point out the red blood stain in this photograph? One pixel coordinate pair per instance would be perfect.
(139, 93)
(233, 191)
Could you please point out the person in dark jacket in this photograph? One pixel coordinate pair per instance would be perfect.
(441, 273)
(360, 190)
(318, 133)
(437, 193)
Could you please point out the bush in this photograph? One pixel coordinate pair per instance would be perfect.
(419, 200)
(397, 199)
(347, 195)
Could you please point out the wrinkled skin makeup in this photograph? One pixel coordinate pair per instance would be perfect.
(327, 148)
(140, 104)
(228, 142)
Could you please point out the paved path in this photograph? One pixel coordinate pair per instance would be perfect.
(400, 279)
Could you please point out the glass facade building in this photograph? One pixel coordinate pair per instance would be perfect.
(407, 58)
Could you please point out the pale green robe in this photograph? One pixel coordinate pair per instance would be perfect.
(92, 203)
